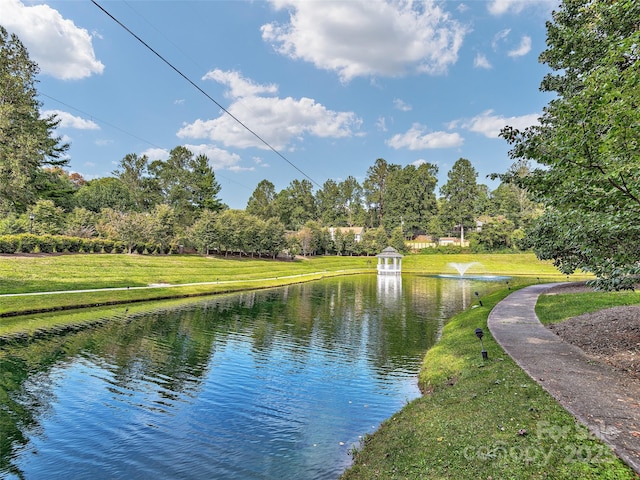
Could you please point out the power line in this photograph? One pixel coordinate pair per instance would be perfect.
(101, 121)
(92, 117)
(175, 69)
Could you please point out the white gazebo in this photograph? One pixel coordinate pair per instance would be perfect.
(389, 262)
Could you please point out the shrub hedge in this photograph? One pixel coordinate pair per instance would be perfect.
(29, 243)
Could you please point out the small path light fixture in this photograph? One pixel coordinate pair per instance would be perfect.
(480, 334)
(31, 217)
(479, 301)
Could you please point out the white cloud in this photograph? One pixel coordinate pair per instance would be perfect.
(481, 61)
(500, 37)
(57, 45)
(368, 37)
(490, 125)
(156, 154)
(260, 162)
(219, 159)
(381, 124)
(238, 85)
(523, 48)
(416, 139)
(401, 105)
(278, 121)
(71, 121)
(500, 7)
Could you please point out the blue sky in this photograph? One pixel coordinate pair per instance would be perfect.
(330, 85)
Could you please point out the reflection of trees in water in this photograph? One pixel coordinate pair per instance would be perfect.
(169, 349)
(172, 349)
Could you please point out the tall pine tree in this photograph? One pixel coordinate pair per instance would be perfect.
(27, 140)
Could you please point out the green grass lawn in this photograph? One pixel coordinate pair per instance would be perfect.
(556, 308)
(524, 264)
(481, 419)
(55, 273)
(20, 274)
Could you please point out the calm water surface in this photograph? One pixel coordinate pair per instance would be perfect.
(274, 384)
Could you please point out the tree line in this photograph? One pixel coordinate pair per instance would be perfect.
(573, 193)
(177, 201)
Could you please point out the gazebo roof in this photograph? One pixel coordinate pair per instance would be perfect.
(389, 252)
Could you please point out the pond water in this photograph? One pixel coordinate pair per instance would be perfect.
(271, 384)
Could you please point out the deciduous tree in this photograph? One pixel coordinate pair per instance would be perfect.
(296, 204)
(105, 192)
(261, 203)
(586, 150)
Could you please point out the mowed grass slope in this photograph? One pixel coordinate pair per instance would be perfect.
(200, 275)
(556, 308)
(20, 274)
(482, 420)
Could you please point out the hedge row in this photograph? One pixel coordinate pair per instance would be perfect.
(28, 243)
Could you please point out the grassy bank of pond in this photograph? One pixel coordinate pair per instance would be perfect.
(133, 278)
(487, 419)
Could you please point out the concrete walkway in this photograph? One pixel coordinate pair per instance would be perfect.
(599, 397)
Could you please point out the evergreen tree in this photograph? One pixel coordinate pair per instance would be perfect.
(27, 140)
(205, 187)
(375, 188)
(460, 194)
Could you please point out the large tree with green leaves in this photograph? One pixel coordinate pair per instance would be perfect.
(105, 192)
(204, 186)
(186, 183)
(296, 204)
(133, 172)
(410, 199)
(351, 196)
(261, 203)
(460, 195)
(375, 188)
(27, 140)
(586, 148)
(329, 204)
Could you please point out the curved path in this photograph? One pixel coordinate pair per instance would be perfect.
(598, 396)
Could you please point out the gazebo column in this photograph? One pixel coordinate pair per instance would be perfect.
(389, 262)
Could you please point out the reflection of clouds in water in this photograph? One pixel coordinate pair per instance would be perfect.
(305, 369)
